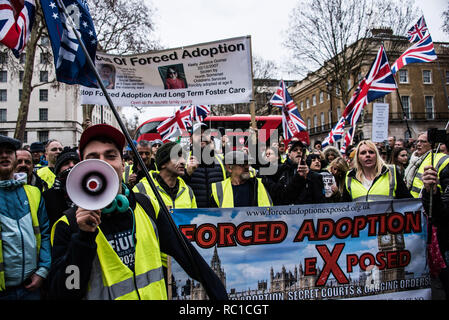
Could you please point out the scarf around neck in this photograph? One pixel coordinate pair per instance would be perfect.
(18, 180)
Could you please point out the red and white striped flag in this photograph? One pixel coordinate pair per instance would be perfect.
(16, 21)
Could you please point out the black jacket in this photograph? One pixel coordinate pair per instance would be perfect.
(440, 209)
(291, 188)
(201, 179)
(72, 246)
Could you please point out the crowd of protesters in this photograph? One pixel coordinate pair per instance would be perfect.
(281, 173)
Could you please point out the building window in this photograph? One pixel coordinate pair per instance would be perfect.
(3, 76)
(25, 137)
(21, 73)
(45, 41)
(321, 96)
(430, 112)
(43, 95)
(43, 76)
(307, 103)
(3, 58)
(403, 76)
(20, 94)
(309, 124)
(301, 106)
(322, 120)
(42, 136)
(3, 115)
(22, 58)
(313, 100)
(45, 58)
(427, 76)
(315, 121)
(43, 114)
(3, 95)
(406, 105)
(338, 113)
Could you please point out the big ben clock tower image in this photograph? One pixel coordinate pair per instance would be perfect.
(391, 242)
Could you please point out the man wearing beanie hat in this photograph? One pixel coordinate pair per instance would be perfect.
(102, 243)
(37, 152)
(56, 198)
(174, 191)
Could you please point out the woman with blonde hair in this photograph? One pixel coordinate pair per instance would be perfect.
(338, 167)
(371, 179)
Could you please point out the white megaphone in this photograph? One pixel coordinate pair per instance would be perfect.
(92, 184)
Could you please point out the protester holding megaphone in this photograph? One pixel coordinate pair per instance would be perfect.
(112, 239)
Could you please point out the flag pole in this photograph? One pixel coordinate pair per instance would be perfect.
(131, 144)
(252, 103)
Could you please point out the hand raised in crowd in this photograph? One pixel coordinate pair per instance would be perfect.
(430, 178)
(132, 180)
(303, 170)
(88, 220)
(192, 165)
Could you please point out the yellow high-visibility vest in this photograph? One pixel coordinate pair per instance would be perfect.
(224, 197)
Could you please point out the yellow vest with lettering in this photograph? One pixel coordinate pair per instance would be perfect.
(110, 279)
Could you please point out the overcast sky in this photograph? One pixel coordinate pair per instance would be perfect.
(181, 23)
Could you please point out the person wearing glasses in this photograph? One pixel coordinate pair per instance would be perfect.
(173, 81)
(52, 150)
(418, 161)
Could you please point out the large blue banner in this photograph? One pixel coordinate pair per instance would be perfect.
(374, 250)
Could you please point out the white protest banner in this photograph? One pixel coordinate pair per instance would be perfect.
(210, 73)
(380, 122)
(356, 250)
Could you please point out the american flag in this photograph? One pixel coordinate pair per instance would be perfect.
(15, 31)
(197, 113)
(175, 124)
(292, 122)
(336, 133)
(378, 82)
(418, 31)
(348, 140)
(419, 52)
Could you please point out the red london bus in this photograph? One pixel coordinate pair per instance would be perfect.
(267, 124)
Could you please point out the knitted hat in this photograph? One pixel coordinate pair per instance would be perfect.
(66, 155)
(37, 147)
(163, 153)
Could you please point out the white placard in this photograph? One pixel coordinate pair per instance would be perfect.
(380, 122)
(210, 73)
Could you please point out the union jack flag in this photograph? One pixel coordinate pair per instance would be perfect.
(336, 133)
(197, 113)
(348, 140)
(418, 31)
(419, 52)
(377, 83)
(292, 122)
(15, 31)
(175, 124)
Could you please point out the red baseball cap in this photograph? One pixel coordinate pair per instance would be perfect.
(101, 130)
